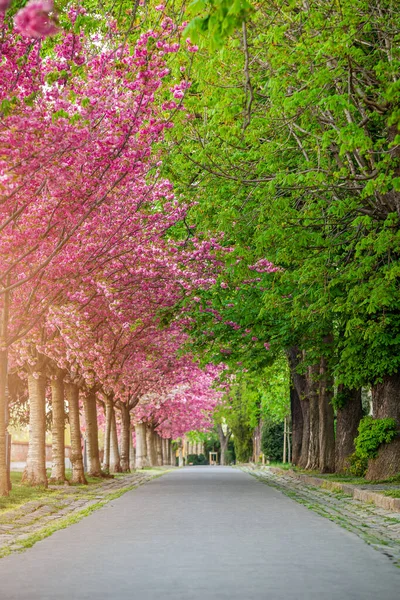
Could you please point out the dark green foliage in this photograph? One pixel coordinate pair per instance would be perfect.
(196, 459)
(357, 466)
(371, 434)
(230, 453)
(243, 441)
(272, 440)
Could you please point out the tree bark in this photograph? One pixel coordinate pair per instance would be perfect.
(305, 440)
(300, 410)
(151, 450)
(58, 428)
(158, 442)
(386, 403)
(297, 425)
(4, 481)
(313, 445)
(165, 452)
(92, 434)
(72, 395)
(256, 443)
(108, 403)
(141, 446)
(348, 416)
(326, 420)
(172, 454)
(132, 451)
(35, 470)
(115, 461)
(125, 433)
(224, 441)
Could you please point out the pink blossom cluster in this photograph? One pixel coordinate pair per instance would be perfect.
(190, 46)
(4, 4)
(37, 19)
(87, 251)
(264, 266)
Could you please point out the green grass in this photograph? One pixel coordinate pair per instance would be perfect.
(284, 466)
(392, 493)
(342, 478)
(21, 494)
(360, 480)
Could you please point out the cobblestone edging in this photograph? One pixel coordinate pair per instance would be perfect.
(20, 528)
(377, 526)
(359, 493)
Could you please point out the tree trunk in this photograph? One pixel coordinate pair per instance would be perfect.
(297, 425)
(141, 446)
(4, 481)
(72, 395)
(172, 454)
(92, 434)
(348, 416)
(313, 445)
(132, 452)
(386, 403)
(151, 450)
(256, 443)
(180, 456)
(107, 433)
(326, 420)
(305, 440)
(386, 398)
(35, 470)
(58, 429)
(115, 462)
(300, 410)
(125, 433)
(165, 452)
(224, 441)
(158, 442)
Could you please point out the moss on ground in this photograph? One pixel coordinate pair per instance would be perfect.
(21, 494)
(64, 522)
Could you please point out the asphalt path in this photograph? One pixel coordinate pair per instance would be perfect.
(201, 533)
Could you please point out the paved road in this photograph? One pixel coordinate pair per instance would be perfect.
(201, 533)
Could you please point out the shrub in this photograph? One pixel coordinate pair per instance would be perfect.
(357, 466)
(272, 440)
(196, 459)
(371, 434)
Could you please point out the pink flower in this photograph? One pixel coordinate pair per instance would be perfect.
(264, 266)
(223, 285)
(160, 7)
(4, 4)
(254, 339)
(267, 346)
(36, 19)
(191, 47)
(178, 94)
